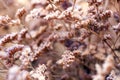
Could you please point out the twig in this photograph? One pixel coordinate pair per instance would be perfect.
(3, 71)
(30, 37)
(117, 39)
(2, 1)
(73, 5)
(107, 44)
(105, 41)
(3, 64)
(53, 6)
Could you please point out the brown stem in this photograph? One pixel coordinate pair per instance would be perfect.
(117, 39)
(53, 6)
(3, 64)
(105, 41)
(106, 4)
(73, 5)
(30, 37)
(115, 56)
(4, 4)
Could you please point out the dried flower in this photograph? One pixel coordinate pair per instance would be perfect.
(20, 13)
(12, 50)
(65, 35)
(8, 38)
(39, 73)
(22, 34)
(67, 58)
(5, 19)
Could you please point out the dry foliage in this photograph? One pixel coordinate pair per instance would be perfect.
(59, 39)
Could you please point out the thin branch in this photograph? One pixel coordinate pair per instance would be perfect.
(106, 4)
(2, 1)
(3, 64)
(107, 44)
(117, 39)
(73, 5)
(115, 56)
(3, 71)
(53, 6)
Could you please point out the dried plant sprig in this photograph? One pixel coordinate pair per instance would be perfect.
(61, 21)
(26, 57)
(67, 58)
(34, 14)
(13, 36)
(20, 12)
(5, 19)
(8, 38)
(43, 46)
(22, 34)
(12, 50)
(39, 72)
(95, 2)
